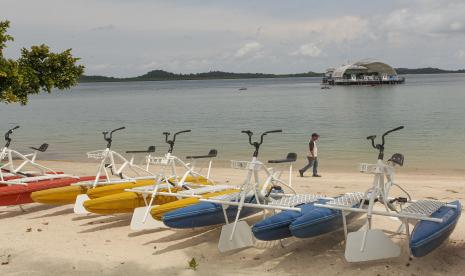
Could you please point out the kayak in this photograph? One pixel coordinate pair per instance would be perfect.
(21, 194)
(157, 212)
(206, 214)
(428, 235)
(276, 227)
(318, 220)
(309, 222)
(126, 202)
(123, 202)
(118, 188)
(9, 176)
(67, 195)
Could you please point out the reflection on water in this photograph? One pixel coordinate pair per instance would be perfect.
(430, 106)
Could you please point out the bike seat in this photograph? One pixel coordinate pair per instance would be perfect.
(150, 149)
(291, 157)
(42, 147)
(212, 153)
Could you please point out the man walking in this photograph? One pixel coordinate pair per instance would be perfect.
(312, 157)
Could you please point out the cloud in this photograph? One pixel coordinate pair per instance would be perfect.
(460, 54)
(104, 28)
(235, 35)
(457, 26)
(427, 18)
(309, 50)
(249, 49)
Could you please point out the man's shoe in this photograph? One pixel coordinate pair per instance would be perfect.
(316, 175)
(301, 173)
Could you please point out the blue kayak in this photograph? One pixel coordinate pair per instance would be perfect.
(319, 220)
(311, 221)
(428, 235)
(204, 214)
(276, 227)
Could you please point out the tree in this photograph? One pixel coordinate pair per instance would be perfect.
(37, 69)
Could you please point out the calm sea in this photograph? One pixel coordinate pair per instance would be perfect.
(431, 107)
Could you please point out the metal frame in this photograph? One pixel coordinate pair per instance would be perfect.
(237, 234)
(109, 156)
(373, 244)
(45, 173)
(165, 176)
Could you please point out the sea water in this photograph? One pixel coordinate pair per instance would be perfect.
(431, 107)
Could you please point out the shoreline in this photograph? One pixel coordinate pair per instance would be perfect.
(73, 245)
(331, 168)
(106, 79)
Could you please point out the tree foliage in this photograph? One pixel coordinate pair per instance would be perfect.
(37, 69)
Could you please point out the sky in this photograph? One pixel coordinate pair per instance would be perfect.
(129, 38)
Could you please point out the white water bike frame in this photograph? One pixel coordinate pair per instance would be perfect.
(111, 157)
(251, 184)
(169, 161)
(380, 190)
(28, 159)
(384, 179)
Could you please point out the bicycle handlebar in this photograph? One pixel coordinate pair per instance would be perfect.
(179, 132)
(249, 133)
(121, 128)
(267, 132)
(257, 144)
(171, 142)
(380, 147)
(389, 131)
(109, 138)
(7, 136)
(273, 131)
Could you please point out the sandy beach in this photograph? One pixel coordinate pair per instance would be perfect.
(50, 240)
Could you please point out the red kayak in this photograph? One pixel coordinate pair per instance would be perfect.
(11, 177)
(21, 194)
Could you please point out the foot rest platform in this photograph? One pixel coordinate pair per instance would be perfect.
(294, 200)
(423, 208)
(111, 182)
(347, 200)
(206, 189)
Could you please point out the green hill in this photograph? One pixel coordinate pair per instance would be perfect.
(161, 75)
(427, 70)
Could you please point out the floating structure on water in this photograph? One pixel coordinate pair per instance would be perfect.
(365, 72)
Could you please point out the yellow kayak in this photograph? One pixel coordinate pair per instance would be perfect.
(58, 196)
(68, 194)
(118, 188)
(158, 211)
(124, 202)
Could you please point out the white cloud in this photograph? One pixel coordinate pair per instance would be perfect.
(108, 27)
(427, 18)
(309, 50)
(460, 54)
(232, 36)
(456, 26)
(249, 49)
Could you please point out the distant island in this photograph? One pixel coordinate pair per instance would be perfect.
(427, 70)
(161, 75)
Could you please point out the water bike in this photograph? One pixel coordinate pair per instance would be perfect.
(252, 197)
(169, 186)
(115, 173)
(16, 184)
(433, 220)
